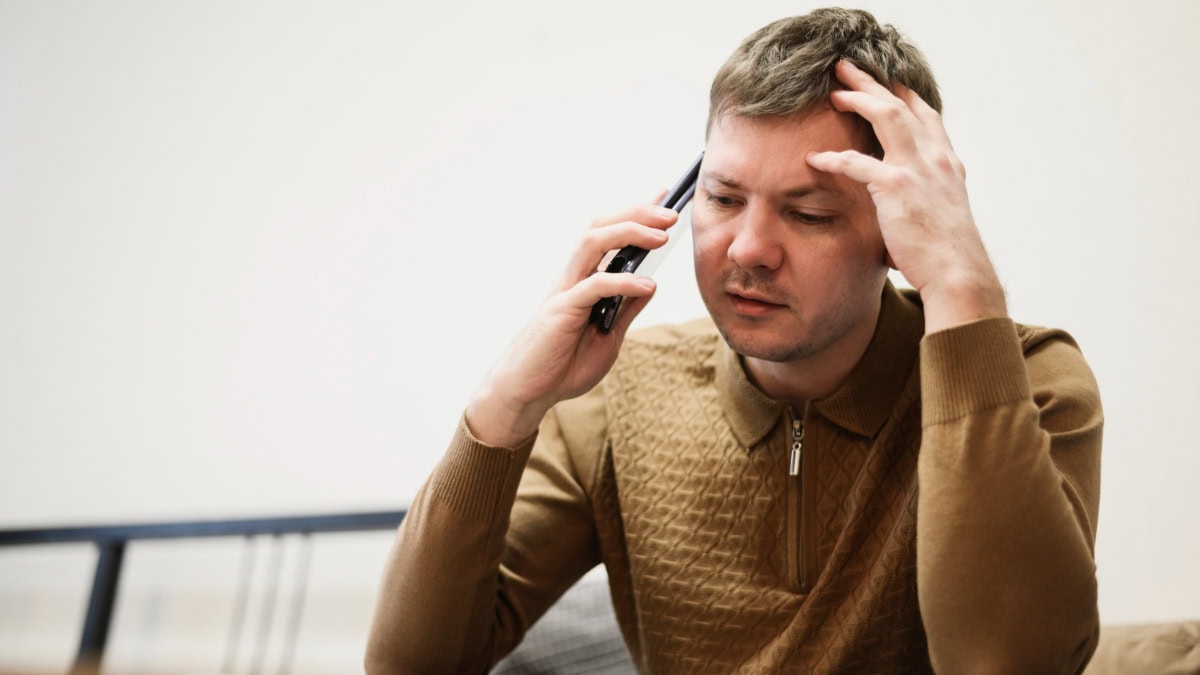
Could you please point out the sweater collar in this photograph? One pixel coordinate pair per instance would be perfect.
(863, 402)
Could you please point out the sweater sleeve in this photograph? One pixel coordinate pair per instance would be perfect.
(1009, 476)
(490, 541)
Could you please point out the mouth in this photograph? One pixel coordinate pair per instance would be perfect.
(751, 305)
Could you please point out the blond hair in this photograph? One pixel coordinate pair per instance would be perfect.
(786, 67)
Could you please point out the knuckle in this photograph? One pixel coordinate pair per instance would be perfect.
(898, 180)
(948, 162)
(958, 167)
(590, 239)
(894, 112)
(628, 230)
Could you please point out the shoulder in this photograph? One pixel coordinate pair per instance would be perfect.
(1051, 350)
(1032, 336)
(1057, 369)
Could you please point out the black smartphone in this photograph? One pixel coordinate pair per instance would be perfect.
(604, 312)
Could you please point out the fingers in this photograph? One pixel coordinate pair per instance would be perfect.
(902, 120)
(647, 214)
(907, 127)
(581, 286)
(641, 225)
(851, 164)
(929, 118)
(636, 293)
(895, 125)
(586, 293)
(597, 242)
(859, 80)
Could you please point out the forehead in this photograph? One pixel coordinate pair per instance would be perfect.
(771, 151)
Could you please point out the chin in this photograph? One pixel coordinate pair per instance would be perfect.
(764, 344)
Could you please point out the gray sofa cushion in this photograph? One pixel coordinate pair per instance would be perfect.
(579, 634)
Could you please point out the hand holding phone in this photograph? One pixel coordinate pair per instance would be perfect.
(628, 259)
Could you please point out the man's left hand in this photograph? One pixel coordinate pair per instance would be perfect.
(920, 195)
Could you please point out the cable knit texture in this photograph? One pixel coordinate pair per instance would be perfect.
(718, 539)
(674, 474)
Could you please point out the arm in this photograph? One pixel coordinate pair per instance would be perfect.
(464, 579)
(1009, 475)
(1009, 466)
(442, 575)
(469, 570)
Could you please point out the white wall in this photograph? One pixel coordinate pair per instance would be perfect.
(255, 255)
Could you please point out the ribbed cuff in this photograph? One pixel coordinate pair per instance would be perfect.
(473, 478)
(971, 368)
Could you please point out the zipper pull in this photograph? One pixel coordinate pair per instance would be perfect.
(797, 446)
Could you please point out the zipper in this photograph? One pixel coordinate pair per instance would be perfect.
(796, 502)
(797, 453)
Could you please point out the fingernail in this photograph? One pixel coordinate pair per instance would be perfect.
(665, 212)
(646, 283)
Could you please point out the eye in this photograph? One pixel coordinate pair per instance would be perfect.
(721, 201)
(810, 218)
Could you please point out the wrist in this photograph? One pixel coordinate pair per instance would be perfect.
(962, 297)
(498, 421)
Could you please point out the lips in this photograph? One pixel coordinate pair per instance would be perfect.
(752, 304)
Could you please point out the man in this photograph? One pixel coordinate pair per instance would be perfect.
(829, 475)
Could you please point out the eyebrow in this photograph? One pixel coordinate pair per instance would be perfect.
(794, 193)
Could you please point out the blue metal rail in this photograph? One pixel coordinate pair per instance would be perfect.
(110, 541)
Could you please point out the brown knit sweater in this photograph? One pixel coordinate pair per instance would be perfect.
(674, 473)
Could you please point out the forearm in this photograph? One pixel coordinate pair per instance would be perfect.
(437, 607)
(1006, 576)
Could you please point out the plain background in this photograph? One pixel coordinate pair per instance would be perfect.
(254, 256)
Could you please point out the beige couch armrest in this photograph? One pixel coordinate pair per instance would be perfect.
(1149, 649)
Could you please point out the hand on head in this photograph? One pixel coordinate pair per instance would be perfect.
(920, 196)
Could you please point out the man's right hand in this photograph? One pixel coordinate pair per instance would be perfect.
(559, 355)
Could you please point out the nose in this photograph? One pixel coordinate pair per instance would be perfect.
(755, 242)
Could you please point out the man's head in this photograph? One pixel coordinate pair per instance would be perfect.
(785, 68)
(789, 260)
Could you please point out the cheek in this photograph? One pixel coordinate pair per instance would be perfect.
(868, 229)
(863, 239)
(874, 237)
(708, 258)
(865, 247)
(706, 241)
(864, 261)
